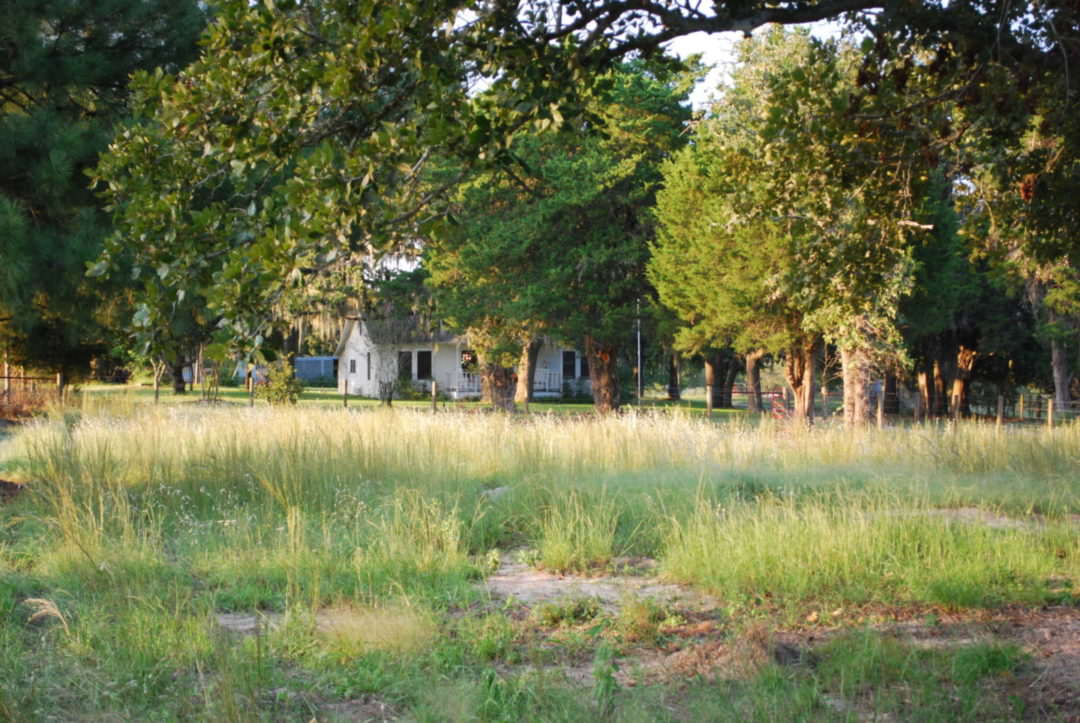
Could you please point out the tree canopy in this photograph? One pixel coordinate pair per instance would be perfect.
(64, 68)
(557, 241)
(301, 140)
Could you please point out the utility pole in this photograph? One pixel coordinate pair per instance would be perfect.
(639, 369)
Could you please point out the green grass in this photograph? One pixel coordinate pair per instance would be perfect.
(853, 548)
(143, 522)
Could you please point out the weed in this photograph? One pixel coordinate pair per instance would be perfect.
(140, 524)
(577, 534)
(568, 612)
(605, 686)
(639, 619)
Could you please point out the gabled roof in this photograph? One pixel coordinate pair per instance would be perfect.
(345, 333)
(401, 330)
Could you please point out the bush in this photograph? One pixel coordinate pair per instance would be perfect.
(282, 386)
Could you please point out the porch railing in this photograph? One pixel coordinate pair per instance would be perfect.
(547, 380)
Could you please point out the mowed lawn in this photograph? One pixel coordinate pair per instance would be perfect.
(110, 397)
(200, 562)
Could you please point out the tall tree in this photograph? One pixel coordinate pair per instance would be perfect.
(64, 68)
(560, 240)
(803, 182)
(302, 134)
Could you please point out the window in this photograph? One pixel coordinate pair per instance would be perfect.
(352, 366)
(404, 365)
(568, 371)
(423, 365)
(369, 366)
(584, 366)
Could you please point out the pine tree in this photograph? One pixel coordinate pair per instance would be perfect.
(64, 68)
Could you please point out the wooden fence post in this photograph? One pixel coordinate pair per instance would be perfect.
(1020, 408)
(881, 408)
(1050, 413)
(1000, 411)
(435, 396)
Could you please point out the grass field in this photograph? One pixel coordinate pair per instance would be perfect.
(226, 563)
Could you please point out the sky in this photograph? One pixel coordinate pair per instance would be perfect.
(718, 50)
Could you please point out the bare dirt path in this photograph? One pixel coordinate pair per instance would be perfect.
(530, 586)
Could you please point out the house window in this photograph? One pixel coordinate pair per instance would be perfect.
(404, 365)
(568, 365)
(584, 366)
(352, 366)
(423, 365)
(369, 366)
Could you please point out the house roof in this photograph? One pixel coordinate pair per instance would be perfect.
(405, 330)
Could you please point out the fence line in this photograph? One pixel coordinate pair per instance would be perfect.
(1030, 408)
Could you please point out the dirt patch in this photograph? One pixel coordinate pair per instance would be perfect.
(531, 587)
(1050, 635)
(975, 515)
(367, 708)
(721, 658)
(1048, 683)
(244, 624)
(10, 490)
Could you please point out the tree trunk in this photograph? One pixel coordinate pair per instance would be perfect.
(730, 375)
(938, 405)
(891, 391)
(603, 375)
(710, 385)
(799, 371)
(923, 382)
(856, 377)
(753, 380)
(501, 383)
(817, 361)
(719, 378)
(178, 383)
(673, 390)
(159, 372)
(526, 371)
(958, 401)
(1059, 365)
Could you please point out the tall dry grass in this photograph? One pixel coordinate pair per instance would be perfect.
(273, 505)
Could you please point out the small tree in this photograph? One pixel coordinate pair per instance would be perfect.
(281, 386)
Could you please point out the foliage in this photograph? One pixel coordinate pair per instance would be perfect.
(281, 386)
(346, 537)
(63, 76)
(565, 249)
(292, 146)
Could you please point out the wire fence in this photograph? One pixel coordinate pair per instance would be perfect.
(21, 394)
(1017, 408)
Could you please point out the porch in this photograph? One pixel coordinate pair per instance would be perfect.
(466, 385)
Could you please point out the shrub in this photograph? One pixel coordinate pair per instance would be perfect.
(282, 386)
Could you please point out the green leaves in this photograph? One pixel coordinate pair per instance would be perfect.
(555, 240)
(778, 221)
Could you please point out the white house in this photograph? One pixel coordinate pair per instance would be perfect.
(374, 351)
